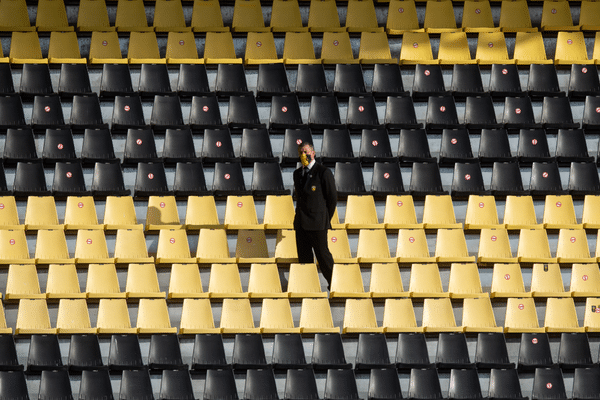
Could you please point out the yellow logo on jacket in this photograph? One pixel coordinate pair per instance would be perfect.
(313, 188)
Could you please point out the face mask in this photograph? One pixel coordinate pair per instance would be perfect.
(305, 159)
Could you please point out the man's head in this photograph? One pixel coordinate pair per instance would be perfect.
(306, 151)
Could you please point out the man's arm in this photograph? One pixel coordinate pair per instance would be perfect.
(329, 191)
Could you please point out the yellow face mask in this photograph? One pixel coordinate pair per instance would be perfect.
(304, 159)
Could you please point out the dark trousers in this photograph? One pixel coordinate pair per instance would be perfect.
(306, 242)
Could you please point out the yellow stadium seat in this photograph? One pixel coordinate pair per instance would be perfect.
(162, 213)
(507, 281)
(454, 49)
(219, 49)
(335, 221)
(9, 216)
(41, 213)
(173, 247)
(131, 16)
(225, 282)
(286, 17)
(412, 246)
(185, 282)
(339, 246)
(439, 17)
(336, 49)
(153, 317)
(596, 52)
(52, 16)
(402, 17)
(201, 212)
(298, 48)
(561, 316)
(14, 16)
(102, 282)
(240, 213)
(438, 316)
(556, 16)
(530, 49)
(142, 282)
(346, 281)
(251, 247)
(399, 316)
(491, 49)
(181, 49)
(451, 246)
(285, 246)
(425, 281)
(464, 281)
(197, 317)
(13, 248)
(130, 247)
(559, 213)
(478, 316)
(206, 17)
(90, 248)
(534, 247)
(585, 280)
(63, 282)
(93, 16)
(168, 16)
(105, 48)
(514, 16)
(546, 281)
(591, 319)
(74, 318)
(276, 317)
(360, 17)
(521, 316)
(481, 213)
(375, 49)
(589, 15)
(64, 48)
(3, 328)
(359, 317)
(51, 247)
(236, 317)
(213, 247)
(80, 213)
(573, 247)
(113, 317)
(361, 213)
(519, 213)
(400, 213)
(119, 213)
(315, 317)
(279, 212)
(264, 282)
(33, 318)
(494, 246)
(477, 17)
(373, 247)
(438, 213)
(416, 49)
(23, 283)
(248, 17)
(591, 212)
(260, 49)
(143, 49)
(323, 16)
(303, 281)
(570, 49)
(386, 281)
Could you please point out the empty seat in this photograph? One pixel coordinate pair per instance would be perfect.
(428, 82)
(455, 147)
(425, 281)
(533, 146)
(529, 49)
(452, 352)
(323, 17)
(285, 17)
(108, 180)
(543, 81)
(19, 145)
(362, 113)
(64, 48)
(86, 113)
(256, 147)
(480, 113)
(521, 316)
(464, 383)
(285, 113)
(73, 317)
(464, 281)
(349, 81)
(425, 179)
(113, 317)
(491, 46)
(400, 114)
(166, 113)
(349, 179)
(168, 16)
(104, 49)
(492, 352)
(561, 316)
(192, 80)
(220, 384)
(545, 179)
(206, 17)
(219, 49)
(243, 112)
(556, 114)
(424, 384)
(504, 383)
(127, 113)
(548, 384)
(197, 318)
(176, 384)
(454, 49)
(412, 246)
(571, 146)
(518, 114)
(25, 48)
(582, 81)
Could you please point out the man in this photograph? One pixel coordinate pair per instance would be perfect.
(316, 198)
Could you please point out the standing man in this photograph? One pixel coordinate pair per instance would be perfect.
(316, 198)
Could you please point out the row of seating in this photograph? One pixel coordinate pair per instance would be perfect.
(315, 317)
(286, 16)
(336, 47)
(264, 282)
(272, 81)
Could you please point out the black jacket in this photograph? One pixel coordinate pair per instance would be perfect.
(316, 199)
